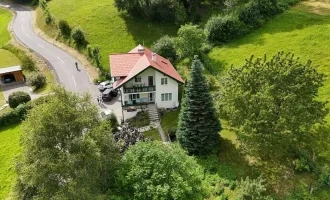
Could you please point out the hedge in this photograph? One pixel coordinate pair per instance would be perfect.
(19, 113)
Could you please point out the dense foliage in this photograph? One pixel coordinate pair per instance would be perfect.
(164, 46)
(64, 27)
(152, 170)
(17, 98)
(223, 29)
(36, 80)
(190, 40)
(78, 36)
(272, 102)
(163, 10)
(199, 126)
(67, 152)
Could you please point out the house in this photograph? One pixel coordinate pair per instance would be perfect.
(143, 78)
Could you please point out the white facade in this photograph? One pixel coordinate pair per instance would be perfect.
(151, 86)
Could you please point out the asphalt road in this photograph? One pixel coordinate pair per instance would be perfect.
(62, 63)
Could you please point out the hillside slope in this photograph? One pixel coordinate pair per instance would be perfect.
(110, 30)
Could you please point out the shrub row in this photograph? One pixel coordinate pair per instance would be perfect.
(19, 113)
(221, 29)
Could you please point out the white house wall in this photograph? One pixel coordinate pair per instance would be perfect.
(171, 87)
(144, 78)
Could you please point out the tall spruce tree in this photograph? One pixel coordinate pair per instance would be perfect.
(199, 126)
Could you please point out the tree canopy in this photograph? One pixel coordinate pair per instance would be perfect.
(199, 126)
(190, 40)
(152, 170)
(67, 152)
(272, 102)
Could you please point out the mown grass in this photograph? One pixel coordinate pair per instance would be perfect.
(110, 30)
(5, 17)
(9, 149)
(153, 133)
(7, 58)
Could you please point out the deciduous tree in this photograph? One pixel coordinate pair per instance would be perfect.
(67, 152)
(272, 103)
(152, 170)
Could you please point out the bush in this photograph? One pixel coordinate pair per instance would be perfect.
(165, 47)
(79, 37)
(301, 164)
(18, 98)
(256, 11)
(36, 80)
(64, 27)
(223, 29)
(324, 177)
(49, 18)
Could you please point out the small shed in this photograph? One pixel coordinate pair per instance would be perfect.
(11, 74)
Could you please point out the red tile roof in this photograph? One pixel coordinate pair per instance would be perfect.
(132, 63)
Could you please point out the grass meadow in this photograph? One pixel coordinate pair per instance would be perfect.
(9, 149)
(6, 58)
(104, 26)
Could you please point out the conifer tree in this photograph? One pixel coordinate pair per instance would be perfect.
(199, 126)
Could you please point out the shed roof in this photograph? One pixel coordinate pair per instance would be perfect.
(10, 69)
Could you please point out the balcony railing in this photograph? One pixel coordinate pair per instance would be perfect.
(140, 89)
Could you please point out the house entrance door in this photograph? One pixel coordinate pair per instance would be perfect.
(151, 80)
(151, 97)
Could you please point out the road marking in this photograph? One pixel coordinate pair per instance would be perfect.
(41, 46)
(28, 36)
(74, 81)
(22, 26)
(60, 60)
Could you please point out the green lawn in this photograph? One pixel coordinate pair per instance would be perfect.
(104, 26)
(169, 121)
(5, 17)
(8, 59)
(152, 133)
(9, 149)
(297, 30)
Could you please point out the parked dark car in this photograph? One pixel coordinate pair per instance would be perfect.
(108, 94)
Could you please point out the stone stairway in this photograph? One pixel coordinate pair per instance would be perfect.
(153, 113)
(155, 122)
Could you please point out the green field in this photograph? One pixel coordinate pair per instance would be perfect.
(111, 31)
(5, 17)
(9, 149)
(297, 30)
(7, 58)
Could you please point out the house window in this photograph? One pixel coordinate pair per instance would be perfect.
(134, 96)
(138, 79)
(167, 97)
(164, 81)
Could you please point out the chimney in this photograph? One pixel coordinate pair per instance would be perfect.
(140, 48)
(154, 57)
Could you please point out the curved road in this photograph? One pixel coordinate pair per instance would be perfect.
(63, 63)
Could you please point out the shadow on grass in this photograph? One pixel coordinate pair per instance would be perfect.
(147, 32)
(229, 164)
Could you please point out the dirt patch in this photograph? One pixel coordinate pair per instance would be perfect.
(91, 70)
(320, 7)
